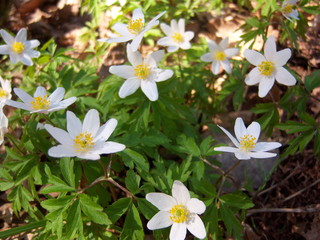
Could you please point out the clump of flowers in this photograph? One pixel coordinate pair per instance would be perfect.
(269, 67)
(288, 10)
(219, 55)
(18, 48)
(143, 73)
(179, 211)
(246, 142)
(176, 37)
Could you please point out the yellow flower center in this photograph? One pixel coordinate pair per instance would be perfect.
(179, 214)
(178, 38)
(83, 142)
(3, 93)
(220, 56)
(247, 142)
(135, 26)
(287, 9)
(142, 71)
(266, 68)
(39, 103)
(18, 47)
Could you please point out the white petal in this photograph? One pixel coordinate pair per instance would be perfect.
(32, 44)
(284, 77)
(164, 75)
(166, 41)
(149, 88)
(224, 43)
(253, 77)
(254, 129)
(174, 26)
(108, 147)
(18, 105)
(21, 35)
(234, 141)
(241, 155)
(253, 57)
(59, 134)
(61, 151)
(230, 52)
(160, 220)
(226, 65)
(106, 130)
(196, 206)
(266, 146)
(166, 29)
(226, 149)
(270, 48)
(91, 122)
(40, 92)
(134, 57)
(122, 29)
(213, 46)
(62, 105)
(282, 57)
(136, 41)
(178, 231)
(262, 154)
(7, 37)
(25, 59)
(185, 45)
(129, 86)
(215, 67)
(173, 48)
(196, 227)
(123, 71)
(137, 13)
(188, 36)
(4, 49)
(32, 53)
(14, 57)
(157, 56)
(88, 156)
(57, 95)
(181, 25)
(25, 97)
(74, 125)
(265, 85)
(117, 39)
(180, 192)
(207, 57)
(239, 128)
(162, 201)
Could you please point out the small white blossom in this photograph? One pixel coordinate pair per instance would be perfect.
(219, 55)
(269, 67)
(5, 90)
(3, 123)
(143, 72)
(41, 102)
(134, 30)
(18, 48)
(288, 11)
(179, 211)
(246, 142)
(176, 37)
(85, 140)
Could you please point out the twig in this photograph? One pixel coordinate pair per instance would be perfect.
(98, 180)
(111, 180)
(213, 166)
(300, 191)
(283, 210)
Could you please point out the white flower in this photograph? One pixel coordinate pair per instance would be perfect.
(134, 30)
(143, 72)
(18, 48)
(219, 55)
(3, 123)
(288, 11)
(176, 36)
(85, 140)
(178, 210)
(268, 67)
(246, 143)
(5, 90)
(41, 102)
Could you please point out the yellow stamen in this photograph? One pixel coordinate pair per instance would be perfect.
(178, 38)
(247, 142)
(142, 71)
(18, 47)
(135, 26)
(266, 68)
(3, 93)
(287, 9)
(220, 56)
(83, 142)
(179, 214)
(39, 103)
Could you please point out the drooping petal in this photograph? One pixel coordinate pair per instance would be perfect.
(25, 97)
(7, 37)
(180, 192)
(21, 35)
(149, 88)
(157, 55)
(253, 77)
(254, 129)
(196, 206)
(166, 29)
(160, 220)
(196, 227)
(88, 156)
(270, 48)
(262, 154)
(266, 146)
(74, 125)
(26, 59)
(106, 130)
(134, 57)
(253, 57)
(226, 149)
(136, 41)
(284, 77)
(40, 92)
(232, 138)
(215, 67)
(123, 71)
(265, 85)
(230, 52)
(57, 95)
(4, 49)
(282, 57)
(91, 122)
(178, 231)
(241, 155)
(108, 147)
(162, 201)
(59, 134)
(207, 57)
(61, 151)
(226, 65)
(18, 105)
(129, 86)
(173, 48)
(164, 75)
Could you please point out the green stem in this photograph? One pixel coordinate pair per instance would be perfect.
(20, 229)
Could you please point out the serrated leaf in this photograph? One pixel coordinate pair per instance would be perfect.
(66, 167)
(137, 158)
(132, 181)
(232, 224)
(118, 208)
(55, 204)
(146, 208)
(238, 200)
(73, 220)
(132, 229)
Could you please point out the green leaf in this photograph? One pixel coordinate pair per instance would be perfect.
(118, 208)
(137, 158)
(59, 203)
(312, 81)
(66, 167)
(93, 210)
(22, 229)
(146, 208)
(132, 229)
(237, 199)
(132, 181)
(293, 127)
(73, 220)
(232, 224)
